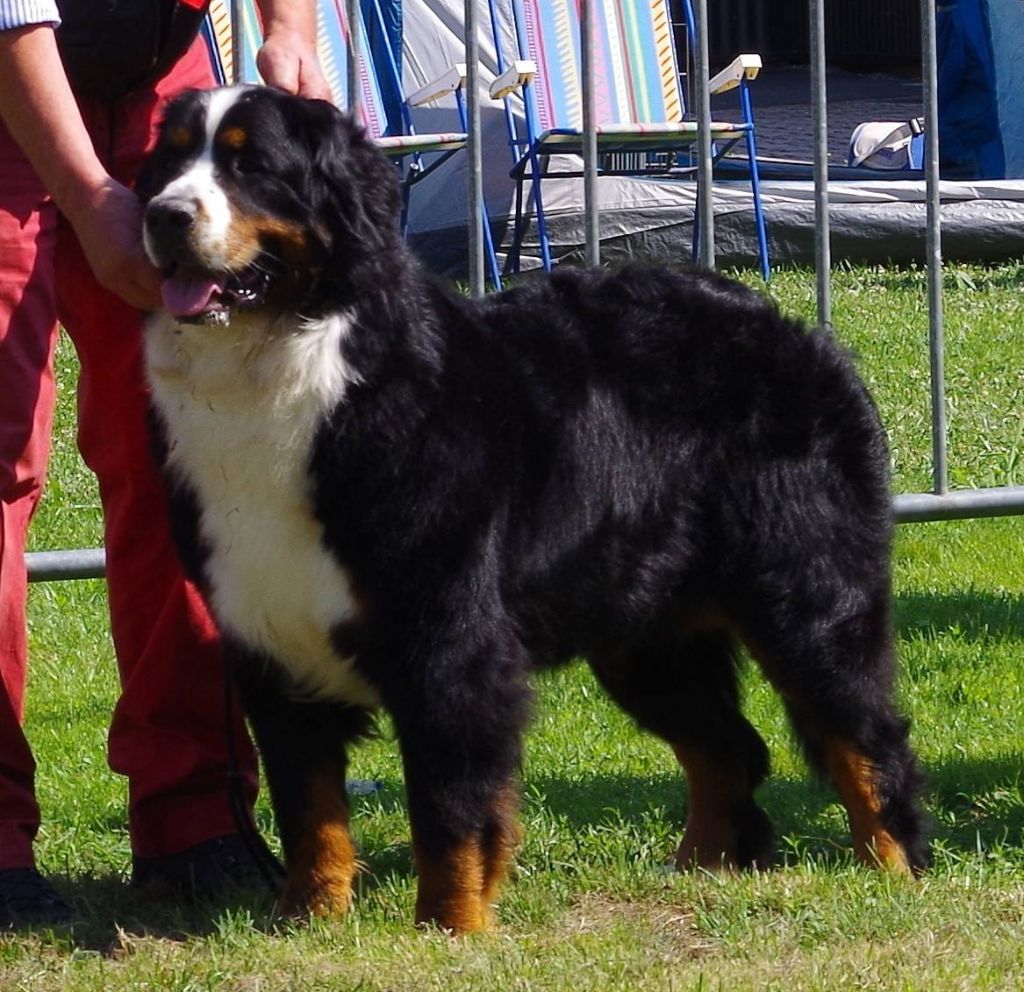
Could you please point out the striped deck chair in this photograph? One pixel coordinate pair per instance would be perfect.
(388, 122)
(642, 123)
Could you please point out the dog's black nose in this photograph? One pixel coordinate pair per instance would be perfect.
(171, 215)
(169, 229)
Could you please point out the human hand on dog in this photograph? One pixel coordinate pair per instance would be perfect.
(288, 59)
(108, 222)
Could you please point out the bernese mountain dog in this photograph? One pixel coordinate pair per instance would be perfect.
(396, 497)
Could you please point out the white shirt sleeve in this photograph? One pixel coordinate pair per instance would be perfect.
(20, 13)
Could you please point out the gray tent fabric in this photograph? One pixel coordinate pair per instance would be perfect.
(981, 222)
(871, 221)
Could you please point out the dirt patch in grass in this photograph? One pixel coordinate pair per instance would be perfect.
(670, 928)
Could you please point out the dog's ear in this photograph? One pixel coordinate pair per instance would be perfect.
(351, 181)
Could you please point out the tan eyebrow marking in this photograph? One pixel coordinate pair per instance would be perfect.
(180, 136)
(233, 137)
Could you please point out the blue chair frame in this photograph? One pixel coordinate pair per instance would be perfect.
(663, 147)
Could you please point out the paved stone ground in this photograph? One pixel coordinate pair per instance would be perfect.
(782, 108)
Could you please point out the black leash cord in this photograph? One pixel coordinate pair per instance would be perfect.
(269, 866)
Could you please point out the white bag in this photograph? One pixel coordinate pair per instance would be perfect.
(886, 144)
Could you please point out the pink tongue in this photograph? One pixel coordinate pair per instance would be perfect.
(187, 293)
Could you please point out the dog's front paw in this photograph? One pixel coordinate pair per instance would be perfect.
(315, 897)
(457, 917)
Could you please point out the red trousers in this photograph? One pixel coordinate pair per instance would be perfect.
(168, 730)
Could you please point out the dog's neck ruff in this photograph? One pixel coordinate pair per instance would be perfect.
(242, 406)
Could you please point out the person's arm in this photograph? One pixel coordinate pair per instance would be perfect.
(288, 58)
(40, 111)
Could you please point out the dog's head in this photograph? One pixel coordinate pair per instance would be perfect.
(255, 198)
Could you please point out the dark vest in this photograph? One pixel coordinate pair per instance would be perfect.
(111, 48)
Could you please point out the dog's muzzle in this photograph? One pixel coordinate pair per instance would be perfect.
(169, 228)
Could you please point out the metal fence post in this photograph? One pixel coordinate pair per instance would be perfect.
(474, 151)
(819, 96)
(353, 15)
(591, 219)
(236, 41)
(705, 192)
(933, 247)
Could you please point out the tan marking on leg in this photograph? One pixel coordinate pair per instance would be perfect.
(457, 890)
(854, 778)
(501, 845)
(323, 865)
(450, 891)
(709, 840)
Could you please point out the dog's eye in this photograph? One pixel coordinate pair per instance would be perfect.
(250, 164)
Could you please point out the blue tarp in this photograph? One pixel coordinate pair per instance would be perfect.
(970, 144)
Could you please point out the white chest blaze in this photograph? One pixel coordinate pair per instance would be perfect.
(242, 405)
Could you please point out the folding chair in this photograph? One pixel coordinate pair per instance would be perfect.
(387, 121)
(642, 124)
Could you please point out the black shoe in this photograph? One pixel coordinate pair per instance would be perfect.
(205, 871)
(28, 899)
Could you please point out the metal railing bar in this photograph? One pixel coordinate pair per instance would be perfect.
(908, 508)
(958, 504)
(48, 566)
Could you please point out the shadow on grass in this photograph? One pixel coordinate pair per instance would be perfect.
(980, 802)
(972, 805)
(972, 615)
(109, 916)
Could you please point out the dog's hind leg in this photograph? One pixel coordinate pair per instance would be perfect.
(861, 744)
(302, 745)
(833, 667)
(682, 687)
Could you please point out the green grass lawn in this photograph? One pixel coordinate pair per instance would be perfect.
(591, 906)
